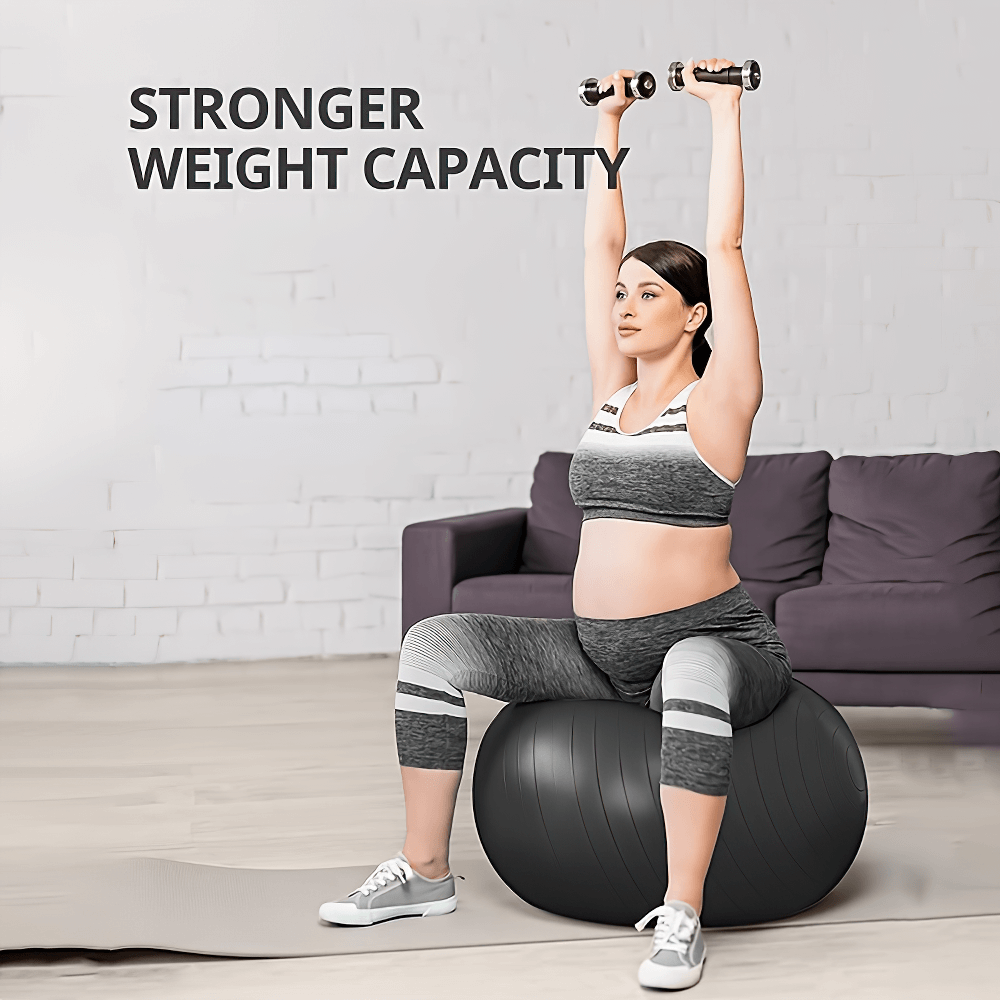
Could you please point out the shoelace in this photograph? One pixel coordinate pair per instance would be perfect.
(388, 871)
(674, 929)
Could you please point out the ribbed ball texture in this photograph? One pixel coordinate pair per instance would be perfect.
(566, 800)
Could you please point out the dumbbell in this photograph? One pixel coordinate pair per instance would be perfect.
(746, 76)
(642, 85)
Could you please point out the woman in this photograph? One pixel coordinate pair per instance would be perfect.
(661, 616)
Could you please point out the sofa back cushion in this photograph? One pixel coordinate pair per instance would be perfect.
(552, 539)
(926, 518)
(779, 517)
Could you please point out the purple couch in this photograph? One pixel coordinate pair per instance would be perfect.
(882, 574)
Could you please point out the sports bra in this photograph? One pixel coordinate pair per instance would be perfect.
(653, 474)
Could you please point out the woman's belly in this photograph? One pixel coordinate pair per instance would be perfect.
(627, 569)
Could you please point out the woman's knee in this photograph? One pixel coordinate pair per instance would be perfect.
(697, 669)
(430, 707)
(431, 665)
(697, 730)
(430, 646)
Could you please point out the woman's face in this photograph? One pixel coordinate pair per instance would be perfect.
(649, 315)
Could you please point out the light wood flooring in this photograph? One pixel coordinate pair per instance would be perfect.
(292, 764)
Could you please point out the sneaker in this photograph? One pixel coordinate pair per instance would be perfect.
(678, 948)
(394, 889)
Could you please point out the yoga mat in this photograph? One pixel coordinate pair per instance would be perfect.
(272, 913)
(900, 874)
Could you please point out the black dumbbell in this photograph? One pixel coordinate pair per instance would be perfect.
(642, 85)
(746, 76)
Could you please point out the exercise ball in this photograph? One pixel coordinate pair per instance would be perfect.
(567, 804)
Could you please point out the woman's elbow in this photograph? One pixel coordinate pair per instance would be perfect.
(723, 243)
(611, 246)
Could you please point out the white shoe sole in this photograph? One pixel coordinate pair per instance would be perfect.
(669, 977)
(349, 915)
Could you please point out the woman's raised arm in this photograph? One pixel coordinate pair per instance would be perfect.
(733, 378)
(604, 244)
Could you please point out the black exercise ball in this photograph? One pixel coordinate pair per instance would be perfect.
(567, 804)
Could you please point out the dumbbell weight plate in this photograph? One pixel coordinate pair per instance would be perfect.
(750, 74)
(588, 91)
(642, 85)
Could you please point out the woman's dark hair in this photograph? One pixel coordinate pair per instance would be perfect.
(687, 270)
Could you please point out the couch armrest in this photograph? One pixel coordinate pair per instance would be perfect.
(438, 554)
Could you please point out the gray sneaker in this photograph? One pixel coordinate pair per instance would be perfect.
(394, 889)
(678, 948)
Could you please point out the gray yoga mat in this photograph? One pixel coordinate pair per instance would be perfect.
(900, 874)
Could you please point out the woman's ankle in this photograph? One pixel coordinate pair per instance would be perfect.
(684, 895)
(427, 865)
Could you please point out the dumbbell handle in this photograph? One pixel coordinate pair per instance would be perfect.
(746, 76)
(642, 85)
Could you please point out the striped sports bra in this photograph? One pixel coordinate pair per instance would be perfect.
(654, 474)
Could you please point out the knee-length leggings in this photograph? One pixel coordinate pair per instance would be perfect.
(709, 667)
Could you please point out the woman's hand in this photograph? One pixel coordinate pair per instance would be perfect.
(711, 92)
(616, 103)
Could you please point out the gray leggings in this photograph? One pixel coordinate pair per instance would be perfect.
(708, 667)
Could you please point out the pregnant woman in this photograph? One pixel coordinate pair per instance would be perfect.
(661, 616)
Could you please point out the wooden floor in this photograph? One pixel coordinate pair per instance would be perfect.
(292, 765)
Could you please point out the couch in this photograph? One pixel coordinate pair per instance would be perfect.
(881, 573)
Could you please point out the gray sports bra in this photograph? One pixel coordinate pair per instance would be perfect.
(654, 474)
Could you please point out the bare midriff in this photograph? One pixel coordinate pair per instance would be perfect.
(629, 569)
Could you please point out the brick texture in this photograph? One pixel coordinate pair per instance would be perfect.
(220, 408)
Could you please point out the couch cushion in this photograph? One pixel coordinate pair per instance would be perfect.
(764, 593)
(525, 595)
(914, 519)
(779, 516)
(878, 627)
(552, 540)
(976, 691)
(911, 577)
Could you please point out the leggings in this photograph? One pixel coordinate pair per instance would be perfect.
(708, 668)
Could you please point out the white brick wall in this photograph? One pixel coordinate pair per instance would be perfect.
(219, 409)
